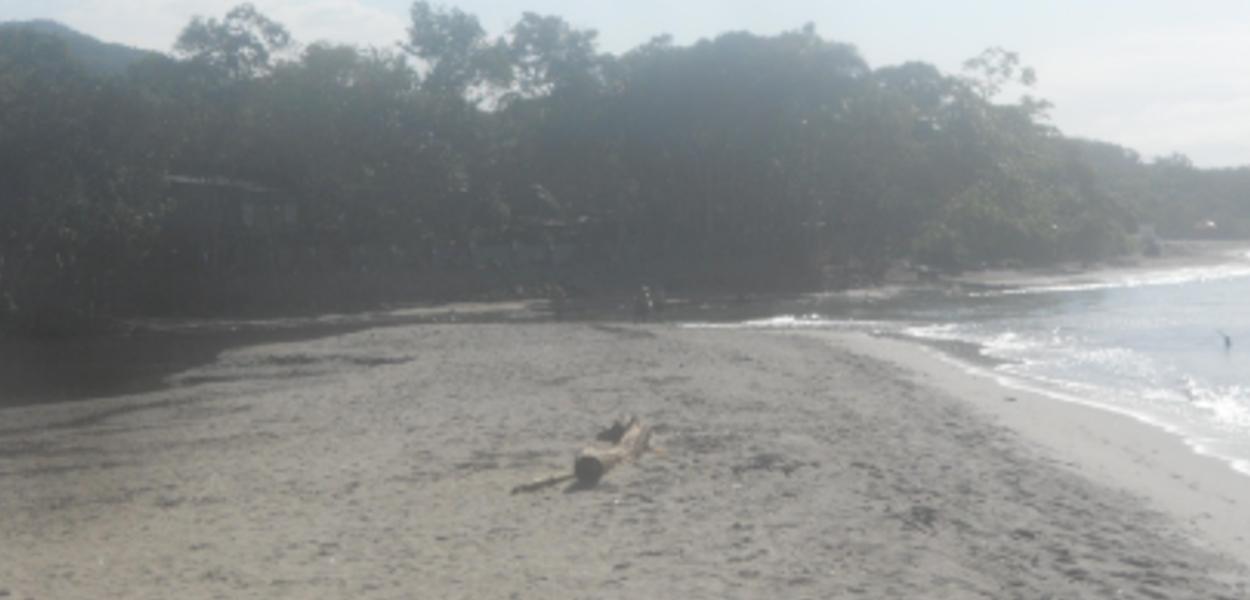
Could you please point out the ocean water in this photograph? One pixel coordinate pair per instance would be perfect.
(1149, 345)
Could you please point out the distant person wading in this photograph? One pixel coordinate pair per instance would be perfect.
(644, 304)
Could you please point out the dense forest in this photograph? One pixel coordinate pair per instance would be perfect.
(247, 172)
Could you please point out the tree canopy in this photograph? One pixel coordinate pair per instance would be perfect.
(738, 161)
(242, 45)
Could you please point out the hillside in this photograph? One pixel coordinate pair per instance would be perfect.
(102, 58)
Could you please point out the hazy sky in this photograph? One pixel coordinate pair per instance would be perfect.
(1159, 76)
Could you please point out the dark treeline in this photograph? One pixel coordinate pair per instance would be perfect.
(246, 172)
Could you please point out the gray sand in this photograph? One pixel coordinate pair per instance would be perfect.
(378, 464)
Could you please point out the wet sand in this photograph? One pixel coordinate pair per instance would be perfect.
(377, 464)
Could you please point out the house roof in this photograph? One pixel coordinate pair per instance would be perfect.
(219, 182)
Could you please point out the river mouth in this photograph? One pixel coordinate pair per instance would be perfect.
(64, 370)
(143, 358)
(43, 371)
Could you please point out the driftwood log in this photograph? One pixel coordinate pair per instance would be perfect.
(593, 462)
(629, 440)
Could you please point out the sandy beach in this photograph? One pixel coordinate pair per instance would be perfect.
(377, 464)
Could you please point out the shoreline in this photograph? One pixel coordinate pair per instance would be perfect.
(1204, 492)
(376, 464)
(108, 365)
(1180, 255)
